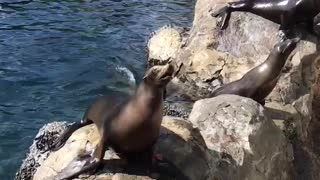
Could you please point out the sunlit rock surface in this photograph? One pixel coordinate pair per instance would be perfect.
(251, 146)
(213, 57)
(179, 143)
(245, 140)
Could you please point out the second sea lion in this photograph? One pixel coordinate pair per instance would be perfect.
(129, 127)
(287, 13)
(260, 81)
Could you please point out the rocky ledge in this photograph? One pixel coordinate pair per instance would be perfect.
(224, 137)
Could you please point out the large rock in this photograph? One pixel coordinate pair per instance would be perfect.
(39, 150)
(164, 45)
(179, 143)
(213, 57)
(254, 147)
(244, 143)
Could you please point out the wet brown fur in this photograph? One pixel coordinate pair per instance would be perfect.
(130, 126)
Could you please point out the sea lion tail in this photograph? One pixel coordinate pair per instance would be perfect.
(58, 143)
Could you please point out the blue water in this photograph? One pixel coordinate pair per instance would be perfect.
(57, 55)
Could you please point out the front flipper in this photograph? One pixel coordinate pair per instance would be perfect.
(78, 166)
(225, 12)
(224, 16)
(286, 28)
(85, 163)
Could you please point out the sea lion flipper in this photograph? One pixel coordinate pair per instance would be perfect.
(225, 21)
(224, 15)
(85, 163)
(77, 166)
(58, 143)
(220, 11)
(225, 12)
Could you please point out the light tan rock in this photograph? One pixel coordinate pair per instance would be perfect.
(81, 140)
(213, 57)
(164, 44)
(244, 143)
(179, 143)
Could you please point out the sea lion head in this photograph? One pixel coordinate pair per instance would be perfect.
(159, 75)
(316, 24)
(284, 48)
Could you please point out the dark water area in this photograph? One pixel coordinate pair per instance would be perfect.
(57, 55)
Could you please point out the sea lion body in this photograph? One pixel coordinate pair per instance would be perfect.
(102, 106)
(135, 126)
(128, 126)
(260, 81)
(287, 13)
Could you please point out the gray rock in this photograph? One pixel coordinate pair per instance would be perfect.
(182, 147)
(244, 142)
(251, 146)
(164, 45)
(212, 57)
(180, 109)
(39, 150)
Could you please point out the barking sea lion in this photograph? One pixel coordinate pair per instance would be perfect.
(131, 126)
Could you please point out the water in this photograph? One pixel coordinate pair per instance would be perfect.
(57, 55)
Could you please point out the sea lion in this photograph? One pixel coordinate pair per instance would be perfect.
(287, 13)
(131, 126)
(260, 81)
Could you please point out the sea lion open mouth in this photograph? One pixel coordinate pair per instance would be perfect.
(162, 74)
(167, 71)
(170, 70)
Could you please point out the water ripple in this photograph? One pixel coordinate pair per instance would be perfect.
(58, 55)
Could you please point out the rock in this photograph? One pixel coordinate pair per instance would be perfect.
(39, 150)
(164, 45)
(179, 143)
(177, 108)
(295, 91)
(212, 57)
(250, 144)
(245, 139)
(247, 35)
